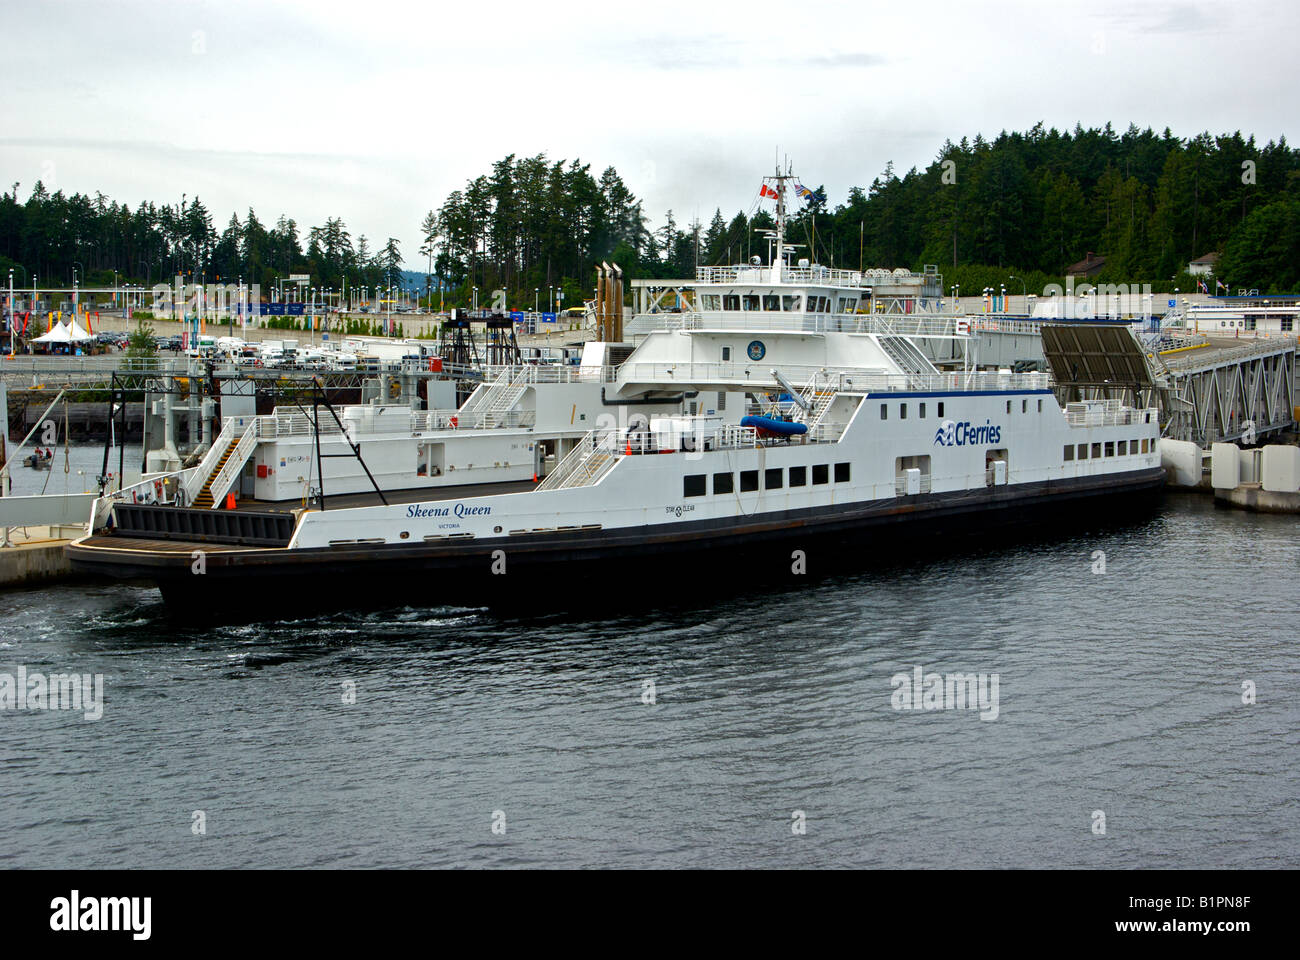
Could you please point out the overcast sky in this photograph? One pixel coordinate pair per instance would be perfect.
(375, 111)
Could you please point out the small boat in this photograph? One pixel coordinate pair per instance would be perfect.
(40, 460)
(772, 427)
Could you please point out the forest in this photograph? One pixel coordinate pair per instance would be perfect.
(1023, 205)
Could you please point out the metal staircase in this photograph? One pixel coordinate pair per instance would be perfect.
(223, 473)
(493, 403)
(586, 463)
(907, 355)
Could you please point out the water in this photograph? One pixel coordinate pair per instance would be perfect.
(83, 463)
(1118, 692)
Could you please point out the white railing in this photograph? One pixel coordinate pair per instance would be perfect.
(552, 373)
(853, 379)
(229, 471)
(943, 326)
(900, 485)
(1107, 413)
(194, 482)
(294, 425)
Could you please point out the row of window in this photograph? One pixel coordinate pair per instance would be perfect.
(774, 478)
(776, 303)
(1110, 448)
(1286, 325)
(902, 409)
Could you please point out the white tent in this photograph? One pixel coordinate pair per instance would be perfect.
(76, 334)
(59, 334)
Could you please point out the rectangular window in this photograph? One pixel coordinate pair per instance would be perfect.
(1132, 447)
(1040, 406)
(711, 301)
(1287, 324)
(1083, 451)
(772, 478)
(1008, 406)
(723, 483)
(792, 304)
(1024, 405)
(902, 411)
(884, 411)
(821, 473)
(1144, 446)
(693, 485)
(748, 481)
(841, 473)
(1123, 448)
(772, 301)
(1110, 448)
(923, 411)
(749, 301)
(1069, 452)
(722, 401)
(940, 409)
(1096, 451)
(798, 476)
(726, 354)
(730, 301)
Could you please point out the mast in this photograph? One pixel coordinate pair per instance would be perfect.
(780, 227)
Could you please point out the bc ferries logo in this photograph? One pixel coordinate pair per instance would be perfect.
(964, 434)
(756, 350)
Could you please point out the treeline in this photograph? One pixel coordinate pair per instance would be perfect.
(54, 237)
(1037, 202)
(1024, 205)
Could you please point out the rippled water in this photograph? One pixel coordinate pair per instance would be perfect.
(1118, 692)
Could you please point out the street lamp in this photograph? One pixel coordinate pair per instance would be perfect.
(1024, 290)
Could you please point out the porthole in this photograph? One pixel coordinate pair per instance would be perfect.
(405, 534)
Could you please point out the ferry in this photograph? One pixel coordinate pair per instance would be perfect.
(772, 410)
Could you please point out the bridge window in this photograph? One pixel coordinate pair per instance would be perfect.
(1123, 448)
(798, 476)
(1083, 451)
(731, 301)
(841, 473)
(711, 301)
(1068, 454)
(771, 301)
(821, 473)
(748, 481)
(749, 301)
(1145, 448)
(693, 485)
(772, 478)
(1110, 448)
(792, 303)
(723, 483)
(1096, 451)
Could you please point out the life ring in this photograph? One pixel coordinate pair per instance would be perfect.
(257, 363)
(158, 490)
(454, 421)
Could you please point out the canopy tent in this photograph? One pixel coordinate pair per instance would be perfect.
(76, 334)
(59, 334)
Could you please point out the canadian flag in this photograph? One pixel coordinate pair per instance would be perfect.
(767, 191)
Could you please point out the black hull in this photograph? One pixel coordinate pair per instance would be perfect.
(523, 570)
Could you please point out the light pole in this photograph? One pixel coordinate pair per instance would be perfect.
(536, 293)
(1024, 291)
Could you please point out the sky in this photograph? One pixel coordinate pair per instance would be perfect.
(375, 111)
